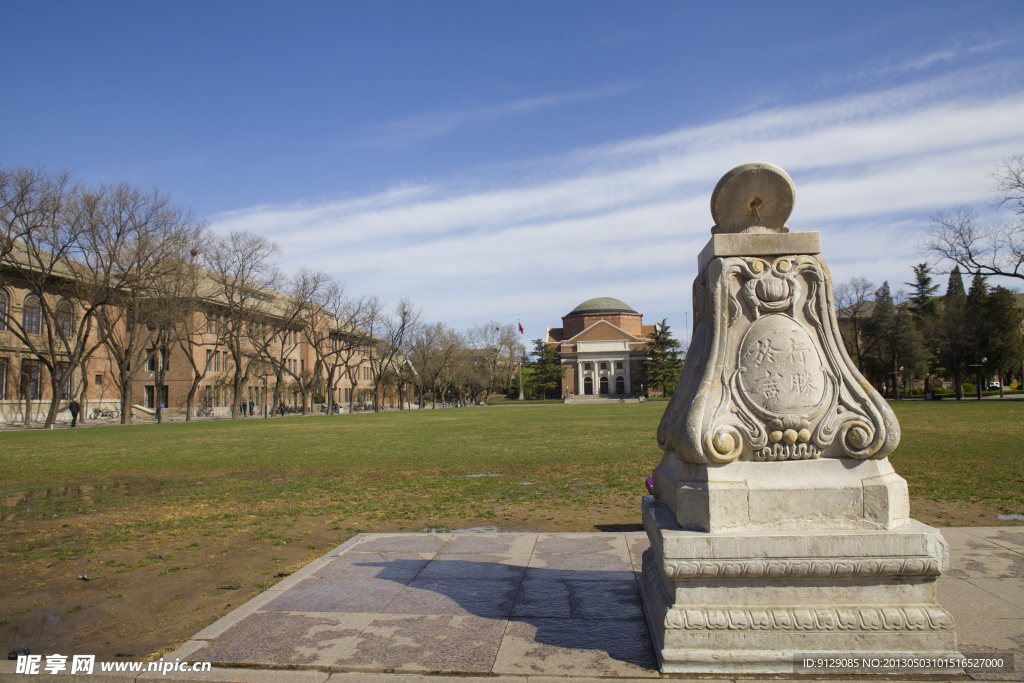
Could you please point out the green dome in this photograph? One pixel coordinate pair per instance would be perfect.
(602, 304)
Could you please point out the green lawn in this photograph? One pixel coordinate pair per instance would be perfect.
(406, 465)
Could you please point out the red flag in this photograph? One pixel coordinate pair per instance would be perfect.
(521, 330)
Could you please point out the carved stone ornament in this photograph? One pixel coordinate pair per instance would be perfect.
(767, 377)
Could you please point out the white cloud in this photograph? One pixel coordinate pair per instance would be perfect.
(628, 219)
(435, 124)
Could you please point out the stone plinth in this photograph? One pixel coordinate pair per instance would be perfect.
(778, 526)
(752, 602)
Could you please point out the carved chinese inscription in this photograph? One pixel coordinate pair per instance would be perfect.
(779, 367)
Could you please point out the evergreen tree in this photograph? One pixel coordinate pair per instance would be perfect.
(661, 365)
(897, 345)
(547, 369)
(952, 334)
(922, 302)
(1005, 348)
(979, 327)
(925, 311)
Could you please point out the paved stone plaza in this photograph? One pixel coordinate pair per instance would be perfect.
(516, 606)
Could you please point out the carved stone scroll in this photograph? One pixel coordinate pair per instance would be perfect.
(767, 377)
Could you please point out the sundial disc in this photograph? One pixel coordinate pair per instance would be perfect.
(755, 197)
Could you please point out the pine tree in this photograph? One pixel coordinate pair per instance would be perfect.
(661, 365)
(979, 327)
(922, 302)
(952, 334)
(1005, 347)
(897, 345)
(547, 368)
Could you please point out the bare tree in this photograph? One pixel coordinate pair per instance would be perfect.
(433, 353)
(40, 231)
(854, 301)
(984, 249)
(499, 349)
(140, 240)
(334, 328)
(80, 252)
(191, 340)
(450, 357)
(174, 305)
(351, 341)
(357, 321)
(389, 334)
(303, 296)
(1009, 187)
(243, 283)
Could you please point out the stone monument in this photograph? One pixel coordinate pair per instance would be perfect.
(778, 528)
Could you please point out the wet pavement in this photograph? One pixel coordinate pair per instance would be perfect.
(517, 607)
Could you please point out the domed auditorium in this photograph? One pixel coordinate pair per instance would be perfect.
(601, 343)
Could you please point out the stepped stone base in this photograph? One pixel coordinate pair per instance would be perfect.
(752, 601)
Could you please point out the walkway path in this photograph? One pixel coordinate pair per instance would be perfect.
(524, 607)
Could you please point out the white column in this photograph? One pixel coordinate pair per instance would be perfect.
(579, 375)
(629, 387)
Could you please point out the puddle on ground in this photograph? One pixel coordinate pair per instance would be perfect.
(486, 474)
(83, 493)
(29, 631)
(1011, 518)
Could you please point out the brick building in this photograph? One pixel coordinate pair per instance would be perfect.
(601, 343)
(25, 379)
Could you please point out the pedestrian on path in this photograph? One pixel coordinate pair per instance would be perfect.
(75, 409)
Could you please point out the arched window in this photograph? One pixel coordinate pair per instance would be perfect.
(4, 308)
(32, 320)
(588, 386)
(620, 385)
(65, 319)
(604, 385)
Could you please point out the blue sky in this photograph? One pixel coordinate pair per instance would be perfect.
(509, 160)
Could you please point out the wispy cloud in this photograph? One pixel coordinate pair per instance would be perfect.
(889, 67)
(435, 124)
(627, 219)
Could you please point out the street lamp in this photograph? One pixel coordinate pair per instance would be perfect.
(521, 359)
(978, 377)
(264, 375)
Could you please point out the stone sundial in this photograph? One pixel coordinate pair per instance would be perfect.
(778, 525)
(753, 198)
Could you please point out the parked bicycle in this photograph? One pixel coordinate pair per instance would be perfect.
(205, 411)
(105, 414)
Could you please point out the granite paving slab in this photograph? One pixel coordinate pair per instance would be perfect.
(523, 607)
(594, 647)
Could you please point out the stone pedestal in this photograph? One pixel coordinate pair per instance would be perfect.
(757, 602)
(778, 527)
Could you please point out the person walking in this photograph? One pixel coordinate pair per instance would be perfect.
(281, 408)
(252, 405)
(75, 409)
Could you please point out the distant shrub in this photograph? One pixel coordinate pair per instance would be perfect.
(917, 392)
(968, 388)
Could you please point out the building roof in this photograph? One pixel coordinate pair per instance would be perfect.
(602, 304)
